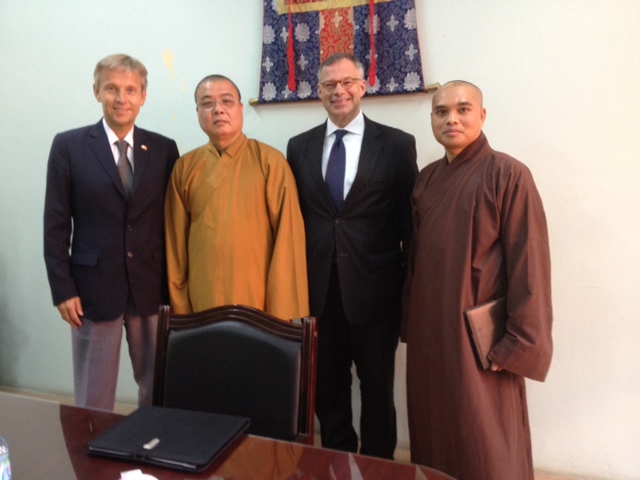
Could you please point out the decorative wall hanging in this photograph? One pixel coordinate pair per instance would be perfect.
(298, 35)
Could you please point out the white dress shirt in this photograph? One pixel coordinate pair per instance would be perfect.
(352, 144)
(113, 138)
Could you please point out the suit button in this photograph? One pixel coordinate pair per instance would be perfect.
(338, 221)
(129, 228)
(130, 254)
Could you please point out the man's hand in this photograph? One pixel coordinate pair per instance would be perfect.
(71, 311)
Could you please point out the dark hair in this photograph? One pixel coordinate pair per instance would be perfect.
(215, 78)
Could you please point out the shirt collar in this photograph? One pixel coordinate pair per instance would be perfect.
(355, 126)
(113, 138)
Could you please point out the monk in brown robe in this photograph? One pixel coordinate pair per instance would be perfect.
(480, 233)
(234, 231)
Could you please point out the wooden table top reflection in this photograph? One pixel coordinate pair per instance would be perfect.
(49, 441)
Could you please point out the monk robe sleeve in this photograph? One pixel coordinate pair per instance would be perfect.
(287, 294)
(177, 224)
(526, 348)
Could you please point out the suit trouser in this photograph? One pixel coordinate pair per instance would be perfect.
(96, 358)
(372, 348)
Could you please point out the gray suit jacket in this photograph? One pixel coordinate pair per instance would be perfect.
(369, 238)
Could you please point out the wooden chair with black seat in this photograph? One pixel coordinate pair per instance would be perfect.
(241, 361)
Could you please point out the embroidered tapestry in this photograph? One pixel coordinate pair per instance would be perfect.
(298, 35)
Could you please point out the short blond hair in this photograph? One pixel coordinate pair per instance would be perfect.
(120, 61)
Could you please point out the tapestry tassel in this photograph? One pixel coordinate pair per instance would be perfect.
(291, 55)
(372, 30)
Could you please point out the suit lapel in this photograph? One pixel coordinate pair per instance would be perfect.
(369, 151)
(99, 144)
(314, 165)
(141, 155)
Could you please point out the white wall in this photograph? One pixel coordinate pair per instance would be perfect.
(560, 80)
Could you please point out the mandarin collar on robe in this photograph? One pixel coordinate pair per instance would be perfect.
(231, 149)
(470, 151)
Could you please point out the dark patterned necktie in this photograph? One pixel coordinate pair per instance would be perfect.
(124, 167)
(335, 170)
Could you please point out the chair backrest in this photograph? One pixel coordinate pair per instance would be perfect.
(240, 360)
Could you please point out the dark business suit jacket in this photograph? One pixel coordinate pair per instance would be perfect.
(369, 237)
(117, 245)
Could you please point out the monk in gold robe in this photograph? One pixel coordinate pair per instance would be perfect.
(234, 230)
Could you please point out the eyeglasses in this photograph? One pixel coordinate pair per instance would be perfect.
(346, 82)
(224, 103)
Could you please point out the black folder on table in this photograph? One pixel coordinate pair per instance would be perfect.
(168, 437)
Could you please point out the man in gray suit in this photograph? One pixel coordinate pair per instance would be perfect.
(104, 234)
(355, 179)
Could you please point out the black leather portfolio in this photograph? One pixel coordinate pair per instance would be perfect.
(486, 324)
(168, 437)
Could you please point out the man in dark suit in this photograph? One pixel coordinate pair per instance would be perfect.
(354, 179)
(104, 237)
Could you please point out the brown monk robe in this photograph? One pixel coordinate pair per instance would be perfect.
(479, 233)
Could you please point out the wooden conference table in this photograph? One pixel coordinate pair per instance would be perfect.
(49, 440)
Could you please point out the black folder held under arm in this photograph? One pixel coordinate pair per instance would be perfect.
(177, 439)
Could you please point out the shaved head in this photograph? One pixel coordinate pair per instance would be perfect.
(459, 83)
(457, 116)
